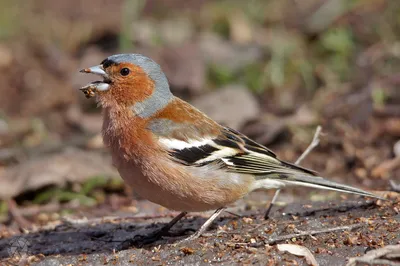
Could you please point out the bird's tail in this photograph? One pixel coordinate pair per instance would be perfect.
(321, 183)
(297, 175)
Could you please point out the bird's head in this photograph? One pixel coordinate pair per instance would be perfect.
(130, 80)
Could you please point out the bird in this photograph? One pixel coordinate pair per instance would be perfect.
(189, 162)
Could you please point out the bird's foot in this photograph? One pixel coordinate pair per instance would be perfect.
(203, 228)
(192, 237)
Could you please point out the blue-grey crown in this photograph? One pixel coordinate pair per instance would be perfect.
(162, 94)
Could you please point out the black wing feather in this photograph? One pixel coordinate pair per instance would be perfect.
(250, 157)
(190, 156)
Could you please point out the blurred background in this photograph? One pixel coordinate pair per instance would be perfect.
(273, 69)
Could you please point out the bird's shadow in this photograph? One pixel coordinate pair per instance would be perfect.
(102, 237)
(106, 237)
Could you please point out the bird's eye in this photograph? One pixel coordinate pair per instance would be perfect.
(125, 71)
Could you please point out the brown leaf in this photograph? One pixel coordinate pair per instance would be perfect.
(71, 165)
(299, 251)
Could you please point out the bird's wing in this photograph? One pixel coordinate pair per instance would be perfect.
(232, 151)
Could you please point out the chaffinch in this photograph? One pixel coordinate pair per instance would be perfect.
(189, 162)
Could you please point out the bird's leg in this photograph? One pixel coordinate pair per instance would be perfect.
(266, 216)
(165, 229)
(152, 237)
(205, 226)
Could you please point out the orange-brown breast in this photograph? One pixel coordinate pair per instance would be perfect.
(127, 132)
(164, 181)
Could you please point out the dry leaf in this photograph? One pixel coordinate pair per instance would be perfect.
(299, 251)
(69, 165)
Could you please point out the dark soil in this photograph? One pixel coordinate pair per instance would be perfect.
(232, 240)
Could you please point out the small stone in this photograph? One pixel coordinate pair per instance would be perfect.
(43, 217)
(232, 105)
(247, 220)
(232, 57)
(176, 31)
(184, 66)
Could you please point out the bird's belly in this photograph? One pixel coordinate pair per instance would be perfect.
(184, 190)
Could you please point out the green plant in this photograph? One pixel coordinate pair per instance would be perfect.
(379, 96)
(9, 19)
(338, 47)
(220, 75)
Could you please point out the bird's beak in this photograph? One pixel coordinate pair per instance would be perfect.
(90, 89)
(97, 70)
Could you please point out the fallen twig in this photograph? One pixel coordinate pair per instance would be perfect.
(313, 232)
(16, 215)
(314, 143)
(305, 233)
(383, 256)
